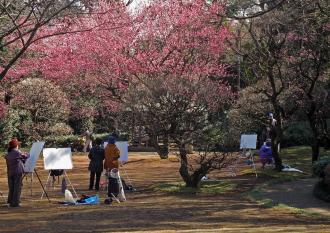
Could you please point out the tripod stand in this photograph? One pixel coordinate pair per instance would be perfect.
(49, 181)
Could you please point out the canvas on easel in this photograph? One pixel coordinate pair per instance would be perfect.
(31, 162)
(58, 159)
(123, 148)
(35, 151)
(247, 142)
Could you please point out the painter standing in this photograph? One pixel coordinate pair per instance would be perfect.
(15, 160)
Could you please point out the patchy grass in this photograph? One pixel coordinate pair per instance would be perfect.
(299, 211)
(207, 187)
(297, 157)
(256, 196)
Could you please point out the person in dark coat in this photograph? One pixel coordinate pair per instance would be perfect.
(96, 156)
(15, 168)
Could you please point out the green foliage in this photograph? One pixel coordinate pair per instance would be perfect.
(17, 123)
(102, 136)
(297, 134)
(320, 165)
(61, 141)
(74, 141)
(44, 103)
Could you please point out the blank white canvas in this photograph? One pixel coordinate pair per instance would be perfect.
(248, 141)
(123, 148)
(34, 155)
(57, 158)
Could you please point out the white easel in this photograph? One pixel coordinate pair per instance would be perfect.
(248, 142)
(48, 183)
(123, 148)
(58, 159)
(30, 164)
(31, 182)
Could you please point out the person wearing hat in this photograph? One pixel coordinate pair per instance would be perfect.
(15, 168)
(265, 153)
(111, 154)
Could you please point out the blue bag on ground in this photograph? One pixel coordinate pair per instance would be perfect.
(91, 200)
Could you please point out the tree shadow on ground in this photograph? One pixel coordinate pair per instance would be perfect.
(298, 194)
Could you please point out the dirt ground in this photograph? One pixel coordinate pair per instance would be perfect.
(146, 210)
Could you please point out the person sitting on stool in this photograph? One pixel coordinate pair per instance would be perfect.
(266, 154)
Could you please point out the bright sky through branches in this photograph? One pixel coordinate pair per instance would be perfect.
(137, 4)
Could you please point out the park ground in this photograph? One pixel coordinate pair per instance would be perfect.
(272, 202)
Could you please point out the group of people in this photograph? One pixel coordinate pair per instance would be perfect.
(97, 154)
(100, 158)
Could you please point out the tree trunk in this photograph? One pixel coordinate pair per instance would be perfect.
(277, 158)
(163, 150)
(315, 150)
(190, 181)
(312, 118)
(276, 137)
(316, 141)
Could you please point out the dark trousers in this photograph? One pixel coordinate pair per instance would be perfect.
(97, 182)
(113, 187)
(15, 186)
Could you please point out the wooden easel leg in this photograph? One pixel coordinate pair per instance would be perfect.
(254, 165)
(31, 183)
(44, 191)
(126, 175)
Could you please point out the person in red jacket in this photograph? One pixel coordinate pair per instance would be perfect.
(15, 168)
